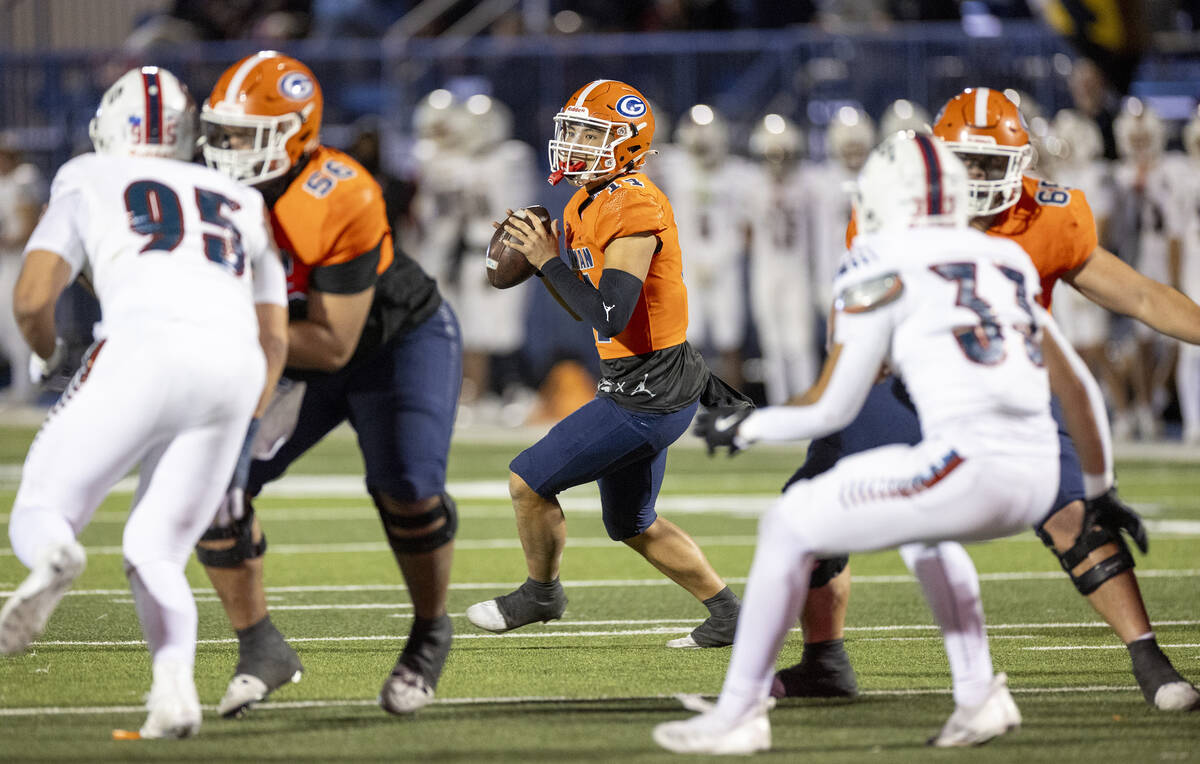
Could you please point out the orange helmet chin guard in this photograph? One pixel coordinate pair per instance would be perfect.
(262, 118)
(604, 129)
(980, 123)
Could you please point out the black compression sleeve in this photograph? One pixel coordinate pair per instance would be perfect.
(608, 308)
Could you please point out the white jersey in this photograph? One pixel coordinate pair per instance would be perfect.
(709, 211)
(1156, 190)
(163, 241)
(1084, 323)
(962, 330)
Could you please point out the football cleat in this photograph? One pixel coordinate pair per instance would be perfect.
(996, 715)
(1177, 696)
(714, 632)
(710, 733)
(824, 671)
(516, 609)
(173, 703)
(1160, 683)
(24, 616)
(405, 691)
(245, 690)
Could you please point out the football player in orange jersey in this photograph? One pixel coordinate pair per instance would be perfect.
(371, 342)
(1054, 225)
(622, 274)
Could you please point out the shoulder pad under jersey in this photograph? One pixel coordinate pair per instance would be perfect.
(868, 295)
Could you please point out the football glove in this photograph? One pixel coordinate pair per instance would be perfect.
(1113, 513)
(234, 502)
(42, 369)
(719, 427)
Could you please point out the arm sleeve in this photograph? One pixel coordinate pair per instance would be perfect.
(866, 338)
(607, 308)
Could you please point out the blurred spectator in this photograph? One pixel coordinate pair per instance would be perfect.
(192, 20)
(21, 193)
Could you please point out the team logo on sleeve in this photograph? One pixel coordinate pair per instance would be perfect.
(296, 86)
(631, 106)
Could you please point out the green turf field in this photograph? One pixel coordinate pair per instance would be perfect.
(591, 686)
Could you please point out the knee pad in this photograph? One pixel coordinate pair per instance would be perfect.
(244, 548)
(403, 543)
(826, 571)
(1092, 536)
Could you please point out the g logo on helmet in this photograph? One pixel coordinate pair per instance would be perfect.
(296, 86)
(631, 106)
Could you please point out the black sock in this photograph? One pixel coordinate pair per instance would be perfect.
(257, 634)
(428, 644)
(816, 651)
(543, 593)
(723, 604)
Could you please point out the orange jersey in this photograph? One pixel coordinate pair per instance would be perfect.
(332, 213)
(631, 204)
(1052, 223)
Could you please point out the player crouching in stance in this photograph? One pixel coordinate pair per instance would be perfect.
(182, 261)
(624, 277)
(949, 310)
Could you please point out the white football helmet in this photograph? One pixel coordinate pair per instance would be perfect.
(704, 133)
(1076, 138)
(777, 142)
(440, 121)
(1140, 133)
(903, 114)
(911, 179)
(1191, 136)
(147, 112)
(488, 123)
(850, 136)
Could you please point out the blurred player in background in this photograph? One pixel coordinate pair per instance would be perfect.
(1055, 227)
(984, 411)
(21, 189)
(1147, 237)
(849, 138)
(903, 114)
(623, 277)
(499, 173)
(371, 342)
(781, 273)
(707, 187)
(1076, 160)
(1187, 375)
(182, 261)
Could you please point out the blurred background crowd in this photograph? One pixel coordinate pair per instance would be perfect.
(765, 109)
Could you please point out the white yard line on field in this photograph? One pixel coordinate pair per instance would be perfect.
(294, 705)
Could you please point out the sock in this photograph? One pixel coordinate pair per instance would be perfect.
(723, 604)
(817, 652)
(543, 593)
(427, 646)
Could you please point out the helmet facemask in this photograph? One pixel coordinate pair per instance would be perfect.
(1004, 168)
(584, 148)
(248, 148)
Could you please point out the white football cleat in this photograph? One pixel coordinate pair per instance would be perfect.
(710, 733)
(245, 690)
(25, 614)
(993, 717)
(405, 691)
(1177, 696)
(486, 615)
(173, 703)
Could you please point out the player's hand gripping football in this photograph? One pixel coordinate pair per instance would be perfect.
(719, 427)
(1116, 515)
(531, 238)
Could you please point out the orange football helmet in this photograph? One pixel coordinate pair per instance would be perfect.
(604, 129)
(262, 118)
(985, 128)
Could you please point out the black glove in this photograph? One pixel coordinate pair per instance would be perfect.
(1112, 513)
(719, 426)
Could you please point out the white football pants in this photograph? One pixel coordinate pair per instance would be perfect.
(882, 498)
(176, 403)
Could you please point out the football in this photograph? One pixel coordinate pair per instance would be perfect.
(506, 267)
